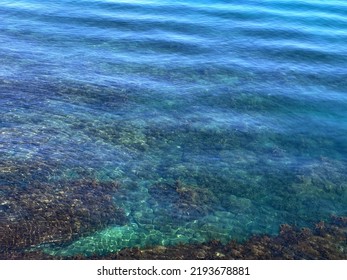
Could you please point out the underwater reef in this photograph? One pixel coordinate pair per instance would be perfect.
(41, 214)
(324, 241)
(183, 202)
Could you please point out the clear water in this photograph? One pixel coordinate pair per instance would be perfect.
(244, 103)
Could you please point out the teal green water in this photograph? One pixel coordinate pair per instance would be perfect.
(220, 119)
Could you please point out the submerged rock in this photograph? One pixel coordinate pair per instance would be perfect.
(43, 213)
(327, 240)
(237, 204)
(183, 201)
(194, 201)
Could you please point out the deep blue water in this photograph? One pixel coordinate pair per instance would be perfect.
(220, 119)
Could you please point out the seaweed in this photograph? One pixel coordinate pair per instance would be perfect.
(183, 201)
(324, 240)
(55, 214)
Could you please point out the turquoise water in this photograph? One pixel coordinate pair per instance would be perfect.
(219, 119)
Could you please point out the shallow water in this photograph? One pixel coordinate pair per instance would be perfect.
(220, 119)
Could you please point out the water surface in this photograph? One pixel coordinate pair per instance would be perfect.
(219, 119)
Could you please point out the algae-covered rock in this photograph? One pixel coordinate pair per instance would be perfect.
(43, 213)
(237, 204)
(183, 201)
(194, 200)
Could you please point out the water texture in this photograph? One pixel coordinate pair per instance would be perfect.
(217, 119)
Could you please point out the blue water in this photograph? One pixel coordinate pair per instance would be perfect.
(220, 119)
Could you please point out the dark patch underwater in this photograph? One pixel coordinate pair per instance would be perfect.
(172, 125)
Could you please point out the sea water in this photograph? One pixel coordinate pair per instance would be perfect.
(220, 119)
